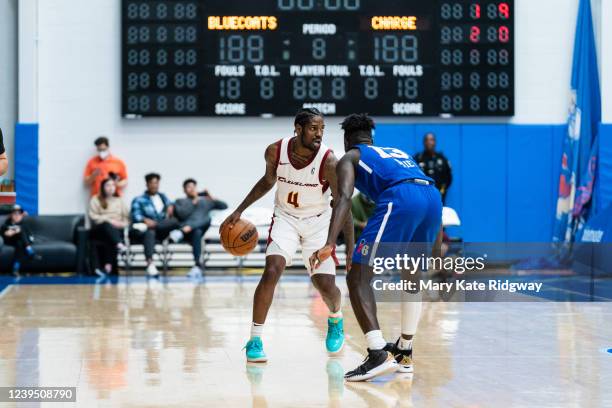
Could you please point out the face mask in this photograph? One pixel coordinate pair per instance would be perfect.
(104, 154)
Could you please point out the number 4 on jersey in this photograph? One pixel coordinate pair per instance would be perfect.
(292, 198)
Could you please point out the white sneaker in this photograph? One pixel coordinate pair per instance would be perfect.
(176, 236)
(152, 270)
(195, 272)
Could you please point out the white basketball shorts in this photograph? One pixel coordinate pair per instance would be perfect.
(287, 233)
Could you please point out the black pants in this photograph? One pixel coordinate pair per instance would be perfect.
(194, 238)
(20, 241)
(106, 237)
(150, 236)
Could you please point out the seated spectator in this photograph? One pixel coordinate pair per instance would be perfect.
(193, 214)
(105, 165)
(362, 208)
(152, 219)
(17, 235)
(109, 217)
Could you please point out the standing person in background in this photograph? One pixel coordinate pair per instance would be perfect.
(3, 158)
(109, 217)
(361, 208)
(152, 219)
(193, 213)
(19, 236)
(105, 165)
(435, 165)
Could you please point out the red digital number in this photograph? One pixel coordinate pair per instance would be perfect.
(475, 11)
(504, 10)
(475, 34)
(504, 34)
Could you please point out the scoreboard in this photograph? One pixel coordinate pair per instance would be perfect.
(271, 57)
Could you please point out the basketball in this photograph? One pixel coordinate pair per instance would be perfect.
(241, 239)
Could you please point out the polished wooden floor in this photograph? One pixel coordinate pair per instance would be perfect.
(178, 344)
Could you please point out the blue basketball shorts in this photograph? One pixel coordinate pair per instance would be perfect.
(406, 216)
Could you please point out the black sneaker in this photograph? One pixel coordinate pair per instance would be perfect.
(378, 362)
(402, 357)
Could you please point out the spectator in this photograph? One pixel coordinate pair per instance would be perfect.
(105, 165)
(152, 219)
(17, 235)
(193, 214)
(362, 208)
(109, 217)
(435, 165)
(3, 158)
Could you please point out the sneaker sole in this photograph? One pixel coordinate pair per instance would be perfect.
(405, 369)
(388, 367)
(337, 351)
(257, 360)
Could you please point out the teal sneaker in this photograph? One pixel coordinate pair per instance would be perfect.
(335, 335)
(254, 351)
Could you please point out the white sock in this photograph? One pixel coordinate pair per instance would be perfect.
(375, 340)
(411, 312)
(405, 344)
(256, 330)
(335, 315)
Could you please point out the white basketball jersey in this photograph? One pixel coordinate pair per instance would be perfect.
(301, 192)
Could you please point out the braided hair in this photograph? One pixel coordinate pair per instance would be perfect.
(305, 116)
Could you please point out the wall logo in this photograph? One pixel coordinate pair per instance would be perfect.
(592, 235)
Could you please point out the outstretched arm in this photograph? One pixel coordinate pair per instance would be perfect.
(345, 172)
(260, 188)
(347, 227)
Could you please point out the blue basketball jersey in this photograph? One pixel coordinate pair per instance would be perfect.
(381, 167)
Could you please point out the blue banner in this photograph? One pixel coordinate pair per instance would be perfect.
(580, 147)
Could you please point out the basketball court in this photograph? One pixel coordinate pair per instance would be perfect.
(177, 343)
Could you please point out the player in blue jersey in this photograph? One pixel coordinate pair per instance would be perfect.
(408, 210)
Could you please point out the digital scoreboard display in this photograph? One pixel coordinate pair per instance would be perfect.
(271, 57)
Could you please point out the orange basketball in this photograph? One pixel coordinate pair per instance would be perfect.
(241, 239)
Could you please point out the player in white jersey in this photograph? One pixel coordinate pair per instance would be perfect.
(304, 170)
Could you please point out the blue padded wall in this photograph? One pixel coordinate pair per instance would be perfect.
(505, 177)
(26, 166)
(484, 183)
(531, 184)
(605, 167)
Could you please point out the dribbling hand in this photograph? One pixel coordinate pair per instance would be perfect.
(320, 256)
(230, 221)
